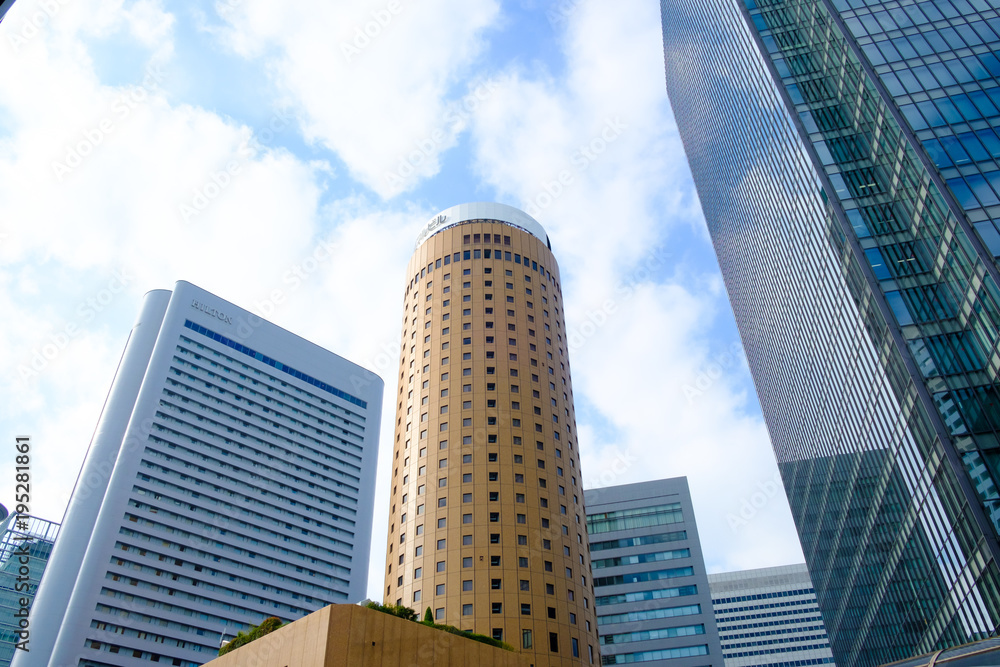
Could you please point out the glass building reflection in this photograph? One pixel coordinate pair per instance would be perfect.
(846, 157)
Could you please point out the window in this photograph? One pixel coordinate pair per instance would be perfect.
(466, 610)
(441, 544)
(466, 561)
(467, 584)
(417, 573)
(494, 538)
(525, 609)
(552, 612)
(439, 567)
(522, 561)
(496, 607)
(553, 642)
(416, 596)
(525, 638)
(467, 518)
(494, 517)
(495, 584)
(466, 540)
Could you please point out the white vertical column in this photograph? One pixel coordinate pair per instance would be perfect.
(60, 576)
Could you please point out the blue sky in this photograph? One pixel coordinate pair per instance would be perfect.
(221, 143)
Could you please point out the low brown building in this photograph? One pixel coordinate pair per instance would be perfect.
(344, 635)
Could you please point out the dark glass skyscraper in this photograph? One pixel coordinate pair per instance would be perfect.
(846, 156)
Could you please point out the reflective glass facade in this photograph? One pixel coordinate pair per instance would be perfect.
(25, 545)
(845, 157)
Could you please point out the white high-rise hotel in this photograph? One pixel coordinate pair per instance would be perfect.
(230, 478)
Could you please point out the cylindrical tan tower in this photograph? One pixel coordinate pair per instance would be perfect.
(487, 525)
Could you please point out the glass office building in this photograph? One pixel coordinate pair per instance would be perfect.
(25, 545)
(845, 154)
(650, 582)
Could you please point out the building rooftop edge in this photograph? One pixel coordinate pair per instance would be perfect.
(774, 570)
(182, 286)
(461, 213)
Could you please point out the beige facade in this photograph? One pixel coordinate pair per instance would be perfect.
(345, 635)
(487, 524)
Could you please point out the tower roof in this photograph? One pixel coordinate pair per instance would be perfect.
(456, 215)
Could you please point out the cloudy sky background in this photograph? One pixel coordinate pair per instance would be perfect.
(223, 143)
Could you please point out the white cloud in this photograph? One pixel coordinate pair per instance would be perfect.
(674, 408)
(372, 81)
(639, 315)
(92, 179)
(257, 215)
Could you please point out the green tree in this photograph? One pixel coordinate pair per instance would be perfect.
(267, 626)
